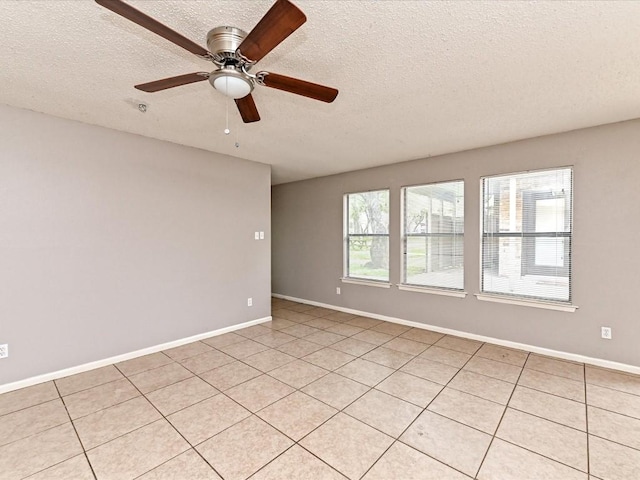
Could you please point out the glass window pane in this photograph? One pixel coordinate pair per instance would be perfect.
(527, 234)
(369, 257)
(433, 235)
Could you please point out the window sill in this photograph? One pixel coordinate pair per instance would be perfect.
(370, 283)
(435, 291)
(561, 307)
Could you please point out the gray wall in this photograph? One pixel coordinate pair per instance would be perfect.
(308, 230)
(111, 242)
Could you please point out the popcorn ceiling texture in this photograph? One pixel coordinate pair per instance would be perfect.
(416, 78)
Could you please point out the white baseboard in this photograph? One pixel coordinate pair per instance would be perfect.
(8, 387)
(598, 362)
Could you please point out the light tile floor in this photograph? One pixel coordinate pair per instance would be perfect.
(319, 394)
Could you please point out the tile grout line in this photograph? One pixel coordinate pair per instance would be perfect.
(84, 451)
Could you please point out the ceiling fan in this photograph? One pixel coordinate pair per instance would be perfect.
(234, 52)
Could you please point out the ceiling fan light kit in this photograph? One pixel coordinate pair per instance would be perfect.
(234, 52)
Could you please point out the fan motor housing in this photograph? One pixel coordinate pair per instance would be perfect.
(223, 42)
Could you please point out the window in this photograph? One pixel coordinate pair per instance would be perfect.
(526, 235)
(433, 235)
(367, 235)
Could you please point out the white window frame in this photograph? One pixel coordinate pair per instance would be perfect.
(346, 278)
(524, 300)
(434, 289)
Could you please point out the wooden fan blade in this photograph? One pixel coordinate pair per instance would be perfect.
(172, 82)
(248, 109)
(282, 19)
(299, 87)
(136, 16)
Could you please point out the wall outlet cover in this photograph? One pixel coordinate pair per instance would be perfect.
(4, 350)
(606, 333)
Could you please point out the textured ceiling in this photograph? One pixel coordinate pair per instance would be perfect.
(416, 78)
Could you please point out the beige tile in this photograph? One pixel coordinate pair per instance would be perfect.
(341, 317)
(279, 324)
(609, 460)
(383, 412)
(142, 364)
(297, 464)
(274, 339)
(298, 373)
(353, 347)
(370, 336)
(441, 439)
(406, 463)
(503, 354)
(410, 388)
(328, 358)
(347, 444)
(206, 361)
(481, 386)
(208, 418)
(468, 409)
(509, 462)
(422, 335)
(188, 466)
(344, 329)
(89, 379)
(406, 346)
(492, 368)
(615, 427)
(430, 370)
(363, 322)
(244, 448)
(259, 392)
(560, 386)
(32, 420)
(365, 372)
(105, 425)
(446, 356)
(625, 382)
(300, 330)
(613, 400)
(297, 414)
(299, 348)
(554, 366)
(103, 396)
(301, 307)
(297, 317)
(151, 380)
(560, 443)
(268, 360)
(243, 349)
(27, 397)
(186, 351)
(459, 344)
(335, 390)
(76, 468)
(389, 358)
(394, 329)
(18, 459)
(224, 340)
(324, 338)
(322, 323)
(319, 311)
(230, 375)
(181, 395)
(551, 407)
(253, 331)
(137, 452)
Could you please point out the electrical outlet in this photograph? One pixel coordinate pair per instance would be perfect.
(4, 350)
(261, 235)
(606, 333)
(338, 290)
(256, 235)
(249, 302)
